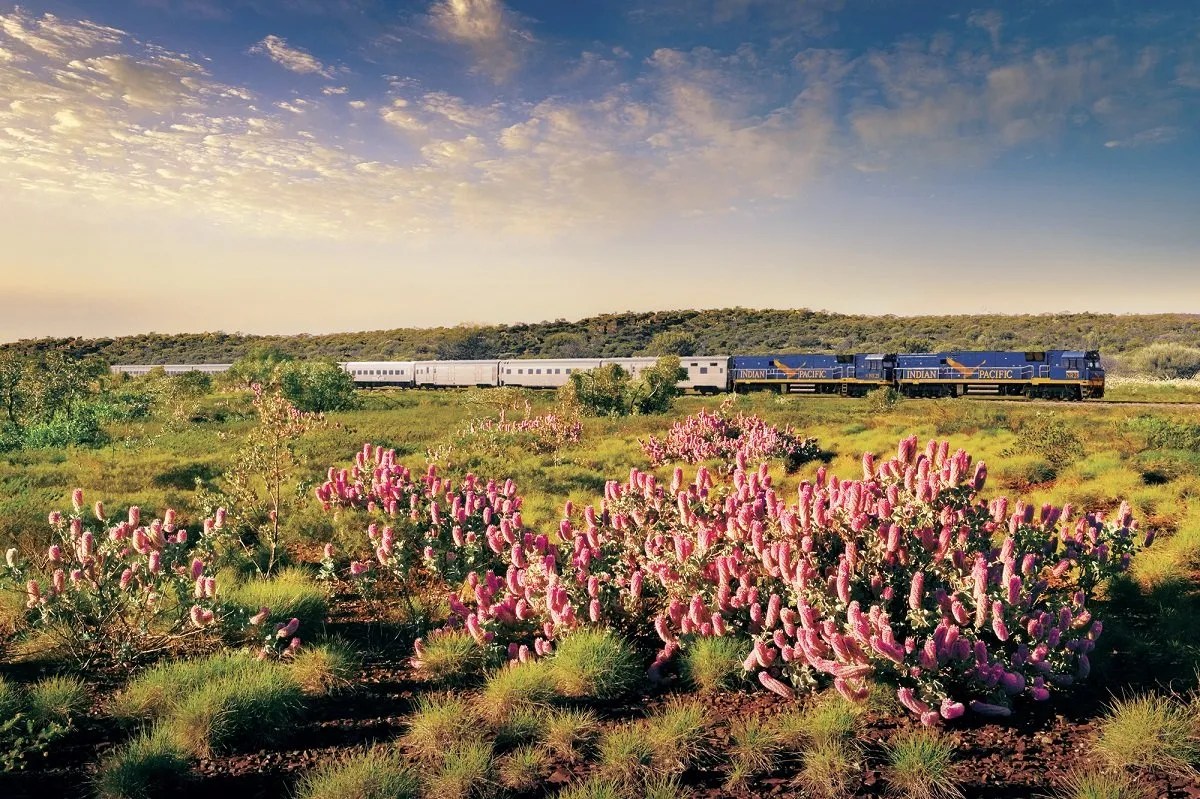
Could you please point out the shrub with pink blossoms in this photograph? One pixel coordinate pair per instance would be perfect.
(720, 436)
(116, 591)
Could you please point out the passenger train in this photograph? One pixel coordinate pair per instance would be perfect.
(1049, 374)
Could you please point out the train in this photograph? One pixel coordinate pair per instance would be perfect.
(1047, 374)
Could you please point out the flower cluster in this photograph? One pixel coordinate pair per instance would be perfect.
(720, 436)
(117, 590)
(905, 577)
(545, 433)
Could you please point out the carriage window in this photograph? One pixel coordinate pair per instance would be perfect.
(703, 370)
(520, 371)
(568, 371)
(558, 371)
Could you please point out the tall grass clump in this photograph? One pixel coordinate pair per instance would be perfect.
(1151, 732)
(451, 656)
(595, 788)
(1100, 785)
(829, 769)
(920, 766)
(57, 700)
(148, 767)
(677, 734)
(754, 749)
(221, 715)
(291, 593)
(465, 773)
(377, 773)
(626, 755)
(523, 769)
(159, 690)
(714, 664)
(568, 732)
(595, 664)
(438, 725)
(322, 669)
(516, 685)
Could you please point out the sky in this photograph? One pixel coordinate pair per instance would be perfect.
(286, 166)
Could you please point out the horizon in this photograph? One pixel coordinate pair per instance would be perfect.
(267, 166)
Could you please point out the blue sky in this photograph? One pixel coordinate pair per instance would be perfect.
(308, 166)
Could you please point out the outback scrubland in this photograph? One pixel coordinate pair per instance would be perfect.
(493, 593)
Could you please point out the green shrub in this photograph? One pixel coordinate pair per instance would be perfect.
(148, 767)
(377, 773)
(465, 773)
(713, 664)
(1166, 360)
(56, 699)
(596, 664)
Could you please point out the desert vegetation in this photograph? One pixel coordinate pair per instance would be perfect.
(474, 594)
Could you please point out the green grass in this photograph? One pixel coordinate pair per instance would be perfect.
(920, 766)
(1151, 732)
(713, 664)
(830, 769)
(677, 734)
(10, 698)
(664, 787)
(754, 748)
(452, 657)
(568, 732)
(290, 593)
(57, 700)
(148, 767)
(159, 690)
(523, 769)
(516, 685)
(227, 713)
(323, 669)
(595, 664)
(377, 773)
(522, 725)
(437, 725)
(465, 773)
(595, 788)
(1093, 784)
(626, 755)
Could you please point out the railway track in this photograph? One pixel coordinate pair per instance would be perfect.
(1090, 402)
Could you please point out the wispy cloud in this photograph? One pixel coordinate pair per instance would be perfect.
(289, 57)
(1163, 134)
(493, 33)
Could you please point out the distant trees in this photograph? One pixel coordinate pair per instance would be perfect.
(609, 390)
(48, 399)
(672, 342)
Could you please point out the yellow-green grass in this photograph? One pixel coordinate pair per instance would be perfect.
(516, 685)
(323, 668)
(830, 769)
(828, 718)
(920, 765)
(677, 733)
(567, 733)
(464, 772)
(452, 656)
(159, 690)
(290, 593)
(439, 724)
(754, 748)
(56, 700)
(523, 769)
(713, 664)
(521, 725)
(149, 766)
(1100, 784)
(377, 773)
(1151, 732)
(596, 788)
(595, 664)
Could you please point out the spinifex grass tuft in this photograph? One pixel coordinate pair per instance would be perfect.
(677, 734)
(664, 787)
(451, 657)
(515, 685)
(1151, 732)
(920, 766)
(375, 774)
(830, 769)
(157, 691)
(10, 698)
(523, 725)
(322, 669)
(831, 718)
(523, 769)
(595, 788)
(148, 767)
(753, 748)
(1100, 785)
(232, 711)
(714, 664)
(465, 773)
(596, 664)
(626, 755)
(568, 732)
(438, 725)
(56, 699)
(291, 594)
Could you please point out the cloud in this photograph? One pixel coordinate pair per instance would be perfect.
(1163, 134)
(991, 21)
(292, 58)
(492, 32)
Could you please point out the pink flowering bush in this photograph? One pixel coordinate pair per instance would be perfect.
(116, 591)
(905, 577)
(721, 436)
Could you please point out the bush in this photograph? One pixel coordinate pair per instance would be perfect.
(1166, 360)
(739, 438)
(33, 719)
(317, 386)
(610, 391)
(883, 400)
(375, 774)
(111, 591)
